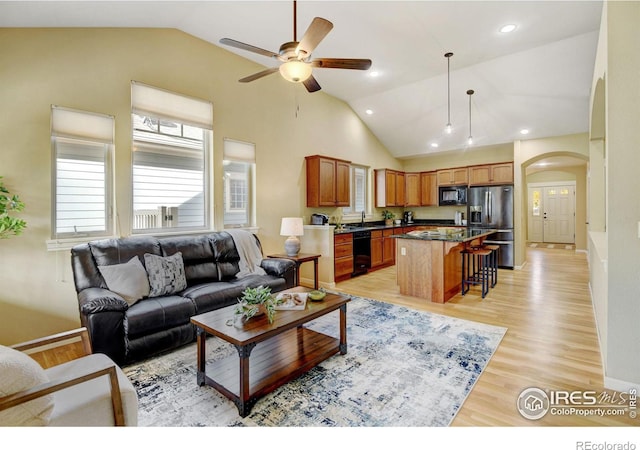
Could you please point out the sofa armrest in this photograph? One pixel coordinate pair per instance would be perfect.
(278, 267)
(96, 300)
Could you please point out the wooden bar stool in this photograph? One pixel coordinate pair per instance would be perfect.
(494, 262)
(476, 269)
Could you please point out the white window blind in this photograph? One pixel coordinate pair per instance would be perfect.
(155, 102)
(82, 144)
(171, 146)
(239, 172)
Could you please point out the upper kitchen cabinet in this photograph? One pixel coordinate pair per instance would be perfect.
(453, 177)
(429, 189)
(327, 181)
(412, 189)
(389, 188)
(491, 174)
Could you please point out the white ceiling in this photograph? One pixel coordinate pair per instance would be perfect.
(537, 77)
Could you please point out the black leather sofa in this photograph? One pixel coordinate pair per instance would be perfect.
(152, 325)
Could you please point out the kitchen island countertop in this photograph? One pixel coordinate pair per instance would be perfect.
(454, 235)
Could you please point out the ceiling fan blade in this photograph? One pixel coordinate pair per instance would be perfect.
(250, 48)
(261, 74)
(311, 84)
(342, 63)
(316, 32)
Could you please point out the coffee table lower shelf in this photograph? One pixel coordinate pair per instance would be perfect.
(273, 363)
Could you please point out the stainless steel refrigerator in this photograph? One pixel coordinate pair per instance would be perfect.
(492, 207)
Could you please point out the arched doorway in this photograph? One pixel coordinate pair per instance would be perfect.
(556, 201)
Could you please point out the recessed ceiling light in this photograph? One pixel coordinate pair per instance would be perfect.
(369, 111)
(508, 28)
(524, 131)
(434, 145)
(374, 74)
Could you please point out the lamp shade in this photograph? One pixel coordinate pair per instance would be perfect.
(295, 71)
(291, 226)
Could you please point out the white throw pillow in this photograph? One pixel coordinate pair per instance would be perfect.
(19, 372)
(129, 280)
(166, 274)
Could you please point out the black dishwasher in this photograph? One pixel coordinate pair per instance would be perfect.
(361, 252)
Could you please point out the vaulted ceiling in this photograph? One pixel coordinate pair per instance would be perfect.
(538, 77)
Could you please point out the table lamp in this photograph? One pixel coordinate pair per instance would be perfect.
(292, 227)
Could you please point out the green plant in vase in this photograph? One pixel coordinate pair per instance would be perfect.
(8, 204)
(255, 301)
(388, 217)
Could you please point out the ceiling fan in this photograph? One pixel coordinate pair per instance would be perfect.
(295, 56)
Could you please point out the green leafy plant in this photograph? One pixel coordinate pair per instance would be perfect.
(386, 214)
(255, 299)
(9, 225)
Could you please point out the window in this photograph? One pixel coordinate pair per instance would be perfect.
(358, 190)
(82, 144)
(239, 173)
(172, 141)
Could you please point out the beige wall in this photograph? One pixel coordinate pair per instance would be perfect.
(91, 69)
(618, 63)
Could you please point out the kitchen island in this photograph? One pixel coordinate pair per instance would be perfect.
(428, 262)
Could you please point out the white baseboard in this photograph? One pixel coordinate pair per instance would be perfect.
(620, 385)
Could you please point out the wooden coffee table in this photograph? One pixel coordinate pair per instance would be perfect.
(286, 348)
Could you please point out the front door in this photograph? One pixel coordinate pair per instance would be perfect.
(552, 213)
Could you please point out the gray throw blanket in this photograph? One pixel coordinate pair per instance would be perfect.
(250, 254)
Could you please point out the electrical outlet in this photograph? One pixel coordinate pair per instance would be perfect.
(403, 251)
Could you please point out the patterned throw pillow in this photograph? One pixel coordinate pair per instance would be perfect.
(166, 274)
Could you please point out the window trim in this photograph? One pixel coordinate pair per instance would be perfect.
(64, 125)
(207, 144)
(349, 212)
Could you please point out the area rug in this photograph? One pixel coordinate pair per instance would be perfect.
(403, 368)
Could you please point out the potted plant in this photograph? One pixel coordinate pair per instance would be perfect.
(388, 217)
(8, 204)
(255, 302)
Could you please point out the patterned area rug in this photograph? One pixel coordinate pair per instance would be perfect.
(403, 368)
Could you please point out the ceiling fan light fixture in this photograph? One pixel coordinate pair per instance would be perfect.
(295, 71)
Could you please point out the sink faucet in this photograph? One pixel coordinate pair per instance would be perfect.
(362, 222)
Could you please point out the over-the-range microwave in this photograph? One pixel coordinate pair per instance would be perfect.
(452, 195)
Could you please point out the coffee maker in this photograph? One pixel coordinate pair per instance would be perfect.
(408, 217)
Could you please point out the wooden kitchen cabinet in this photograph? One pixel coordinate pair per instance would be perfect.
(327, 181)
(412, 194)
(388, 247)
(376, 249)
(343, 256)
(501, 173)
(389, 188)
(453, 177)
(428, 189)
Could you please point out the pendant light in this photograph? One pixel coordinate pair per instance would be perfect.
(470, 93)
(447, 128)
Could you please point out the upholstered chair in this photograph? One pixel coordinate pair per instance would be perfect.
(89, 391)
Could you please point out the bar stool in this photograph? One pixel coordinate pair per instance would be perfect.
(494, 262)
(476, 269)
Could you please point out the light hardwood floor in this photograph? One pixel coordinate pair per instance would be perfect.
(551, 340)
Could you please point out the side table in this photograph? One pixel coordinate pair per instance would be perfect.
(299, 259)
